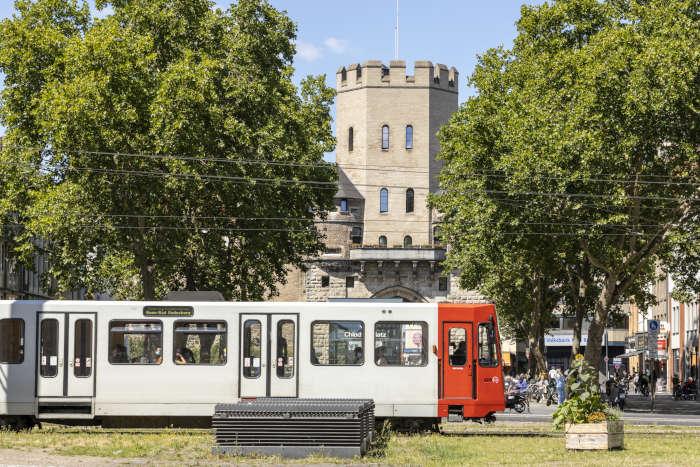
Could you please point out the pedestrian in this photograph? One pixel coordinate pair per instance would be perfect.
(552, 373)
(561, 386)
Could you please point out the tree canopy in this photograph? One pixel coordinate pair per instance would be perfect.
(163, 146)
(581, 148)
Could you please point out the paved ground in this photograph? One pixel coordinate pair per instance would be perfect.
(637, 412)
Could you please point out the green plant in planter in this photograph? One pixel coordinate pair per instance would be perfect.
(584, 403)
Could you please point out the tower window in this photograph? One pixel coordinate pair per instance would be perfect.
(351, 138)
(385, 137)
(344, 205)
(349, 282)
(382, 241)
(356, 235)
(442, 284)
(436, 235)
(344, 75)
(359, 71)
(325, 281)
(409, 137)
(407, 241)
(383, 200)
(409, 200)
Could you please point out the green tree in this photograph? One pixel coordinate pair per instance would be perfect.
(592, 120)
(163, 146)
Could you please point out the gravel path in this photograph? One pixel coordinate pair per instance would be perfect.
(39, 457)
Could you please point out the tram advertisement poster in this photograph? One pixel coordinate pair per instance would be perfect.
(168, 311)
(413, 340)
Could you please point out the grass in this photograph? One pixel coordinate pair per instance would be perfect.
(194, 446)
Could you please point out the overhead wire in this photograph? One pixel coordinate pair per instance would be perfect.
(370, 167)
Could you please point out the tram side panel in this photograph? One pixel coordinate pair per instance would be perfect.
(17, 358)
(144, 385)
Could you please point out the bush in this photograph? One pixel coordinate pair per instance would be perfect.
(584, 403)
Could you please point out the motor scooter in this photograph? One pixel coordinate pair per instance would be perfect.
(516, 400)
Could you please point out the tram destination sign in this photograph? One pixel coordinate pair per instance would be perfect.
(168, 311)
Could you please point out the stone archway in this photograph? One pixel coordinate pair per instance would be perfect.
(404, 293)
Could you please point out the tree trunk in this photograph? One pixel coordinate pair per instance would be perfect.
(535, 336)
(147, 281)
(579, 314)
(599, 323)
(145, 266)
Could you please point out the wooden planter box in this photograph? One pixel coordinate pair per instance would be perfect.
(589, 436)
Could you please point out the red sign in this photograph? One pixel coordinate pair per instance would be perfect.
(661, 343)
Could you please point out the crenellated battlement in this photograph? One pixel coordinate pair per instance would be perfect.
(374, 73)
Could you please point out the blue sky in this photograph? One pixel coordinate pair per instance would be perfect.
(333, 33)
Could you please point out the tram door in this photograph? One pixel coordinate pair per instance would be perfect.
(268, 355)
(65, 366)
(458, 360)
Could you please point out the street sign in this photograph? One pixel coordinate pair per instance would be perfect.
(605, 359)
(653, 326)
(652, 345)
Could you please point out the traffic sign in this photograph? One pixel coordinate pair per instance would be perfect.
(653, 326)
(605, 359)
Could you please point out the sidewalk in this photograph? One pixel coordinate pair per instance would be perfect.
(664, 404)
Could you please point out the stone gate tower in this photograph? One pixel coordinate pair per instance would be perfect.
(382, 240)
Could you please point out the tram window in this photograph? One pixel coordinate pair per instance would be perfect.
(401, 343)
(337, 343)
(458, 346)
(285, 349)
(82, 350)
(49, 348)
(251, 348)
(199, 343)
(11, 340)
(487, 345)
(136, 342)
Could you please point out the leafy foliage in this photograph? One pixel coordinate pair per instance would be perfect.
(584, 403)
(158, 147)
(579, 148)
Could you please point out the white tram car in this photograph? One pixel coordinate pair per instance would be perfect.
(127, 363)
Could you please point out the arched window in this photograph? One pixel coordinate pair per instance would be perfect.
(407, 241)
(351, 138)
(409, 200)
(409, 136)
(382, 241)
(385, 137)
(383, 200)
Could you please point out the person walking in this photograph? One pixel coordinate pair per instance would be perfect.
(561, 386)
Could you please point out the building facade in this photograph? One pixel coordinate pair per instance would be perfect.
(382, 239)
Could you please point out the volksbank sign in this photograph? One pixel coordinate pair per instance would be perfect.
(563, 340)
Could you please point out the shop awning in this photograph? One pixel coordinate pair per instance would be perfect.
(631, 353)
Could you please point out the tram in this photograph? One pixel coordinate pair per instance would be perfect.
(130, 363)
